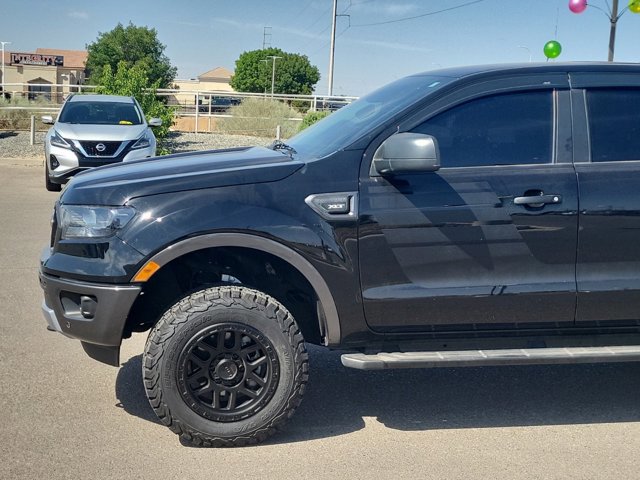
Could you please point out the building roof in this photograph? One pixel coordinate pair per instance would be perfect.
(72, 58)
(218, 73)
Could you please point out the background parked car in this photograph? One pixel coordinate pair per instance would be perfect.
(95, 130)
(218, 104)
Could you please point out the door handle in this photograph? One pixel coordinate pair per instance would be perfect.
(537, 200)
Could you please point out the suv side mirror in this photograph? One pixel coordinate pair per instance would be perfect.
(155, 122)
(47, 119)
(407, 153)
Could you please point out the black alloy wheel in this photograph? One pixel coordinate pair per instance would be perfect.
(228, 372)
(225, 366)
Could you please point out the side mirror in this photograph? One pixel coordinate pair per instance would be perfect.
(155, 122)
(47, 119)
(406, 153)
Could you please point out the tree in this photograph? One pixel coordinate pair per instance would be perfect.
(134, 46)
(135, 82)
(294, 72)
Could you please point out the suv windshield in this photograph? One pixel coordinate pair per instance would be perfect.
(100, 113)
(342, 128)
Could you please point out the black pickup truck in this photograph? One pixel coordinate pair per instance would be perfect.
(470, 216)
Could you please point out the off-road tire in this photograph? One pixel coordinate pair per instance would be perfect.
(49, 185)
(218, 309)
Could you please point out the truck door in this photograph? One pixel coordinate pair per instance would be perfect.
(607, 160)
(489, 240)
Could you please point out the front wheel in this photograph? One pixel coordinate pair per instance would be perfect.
(49, 185)
(225, 366)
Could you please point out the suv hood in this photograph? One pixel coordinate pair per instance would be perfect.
(103, 133)
(119, 183)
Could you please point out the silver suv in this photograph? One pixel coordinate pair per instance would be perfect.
(95, 130)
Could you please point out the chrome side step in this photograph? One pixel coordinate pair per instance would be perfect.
(473, 358)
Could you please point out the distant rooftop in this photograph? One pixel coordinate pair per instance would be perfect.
(216, 74)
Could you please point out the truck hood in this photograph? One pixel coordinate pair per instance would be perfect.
(119, 183)
(100, 133)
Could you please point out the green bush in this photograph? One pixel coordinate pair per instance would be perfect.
(313, 117)
(259, 117)
(134, 82)
(301, 106)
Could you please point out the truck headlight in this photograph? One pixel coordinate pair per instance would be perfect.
(80, 221)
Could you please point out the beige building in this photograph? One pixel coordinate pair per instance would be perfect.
(216, 80)
(52, 74)
(46, 73)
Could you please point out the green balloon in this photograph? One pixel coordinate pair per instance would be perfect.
(552, 49)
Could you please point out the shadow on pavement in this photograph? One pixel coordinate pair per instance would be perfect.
(338, 398)
(130, 390)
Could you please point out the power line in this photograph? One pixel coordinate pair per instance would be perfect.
(322, 47)
(419, 16)
(302, 11)
(320, 17)
(315, 39)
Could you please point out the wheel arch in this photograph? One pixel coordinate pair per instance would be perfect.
(329, 324)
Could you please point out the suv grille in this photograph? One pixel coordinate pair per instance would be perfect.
(92, 149)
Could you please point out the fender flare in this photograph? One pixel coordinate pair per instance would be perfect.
(330, 322)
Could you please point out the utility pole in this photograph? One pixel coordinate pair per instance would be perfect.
(612, 34)
(266, 37)
(3, 78)
(273, 73)
(333, 46)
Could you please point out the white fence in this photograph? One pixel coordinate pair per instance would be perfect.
(41, 98)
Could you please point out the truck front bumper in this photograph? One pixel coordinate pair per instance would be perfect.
(93, 313)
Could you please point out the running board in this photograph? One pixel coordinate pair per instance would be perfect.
(474, 358)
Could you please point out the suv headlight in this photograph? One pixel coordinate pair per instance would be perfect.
(80, 221)
(57, 141)
(143, 142)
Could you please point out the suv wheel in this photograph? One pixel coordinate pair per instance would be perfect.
(225, 366)
(50, 186)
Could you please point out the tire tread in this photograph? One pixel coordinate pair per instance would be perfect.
(201, 301)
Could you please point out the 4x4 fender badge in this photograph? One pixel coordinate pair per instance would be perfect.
(334, 206)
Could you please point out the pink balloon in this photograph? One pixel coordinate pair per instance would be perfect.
(577, 6)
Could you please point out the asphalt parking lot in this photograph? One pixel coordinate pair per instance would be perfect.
(64, 415)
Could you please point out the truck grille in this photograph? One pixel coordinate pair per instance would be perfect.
(101, 149)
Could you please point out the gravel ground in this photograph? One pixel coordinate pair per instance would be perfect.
(16, 144)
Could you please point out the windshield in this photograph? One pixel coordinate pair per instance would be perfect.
(342, 128)
(100, 113)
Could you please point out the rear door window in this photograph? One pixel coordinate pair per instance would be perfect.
(614, 124)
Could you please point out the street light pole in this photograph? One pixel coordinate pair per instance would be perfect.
(273, 72)
(527, 49)
(579, 6)
(3, 80)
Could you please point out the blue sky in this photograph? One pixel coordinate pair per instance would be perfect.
(203, 34)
